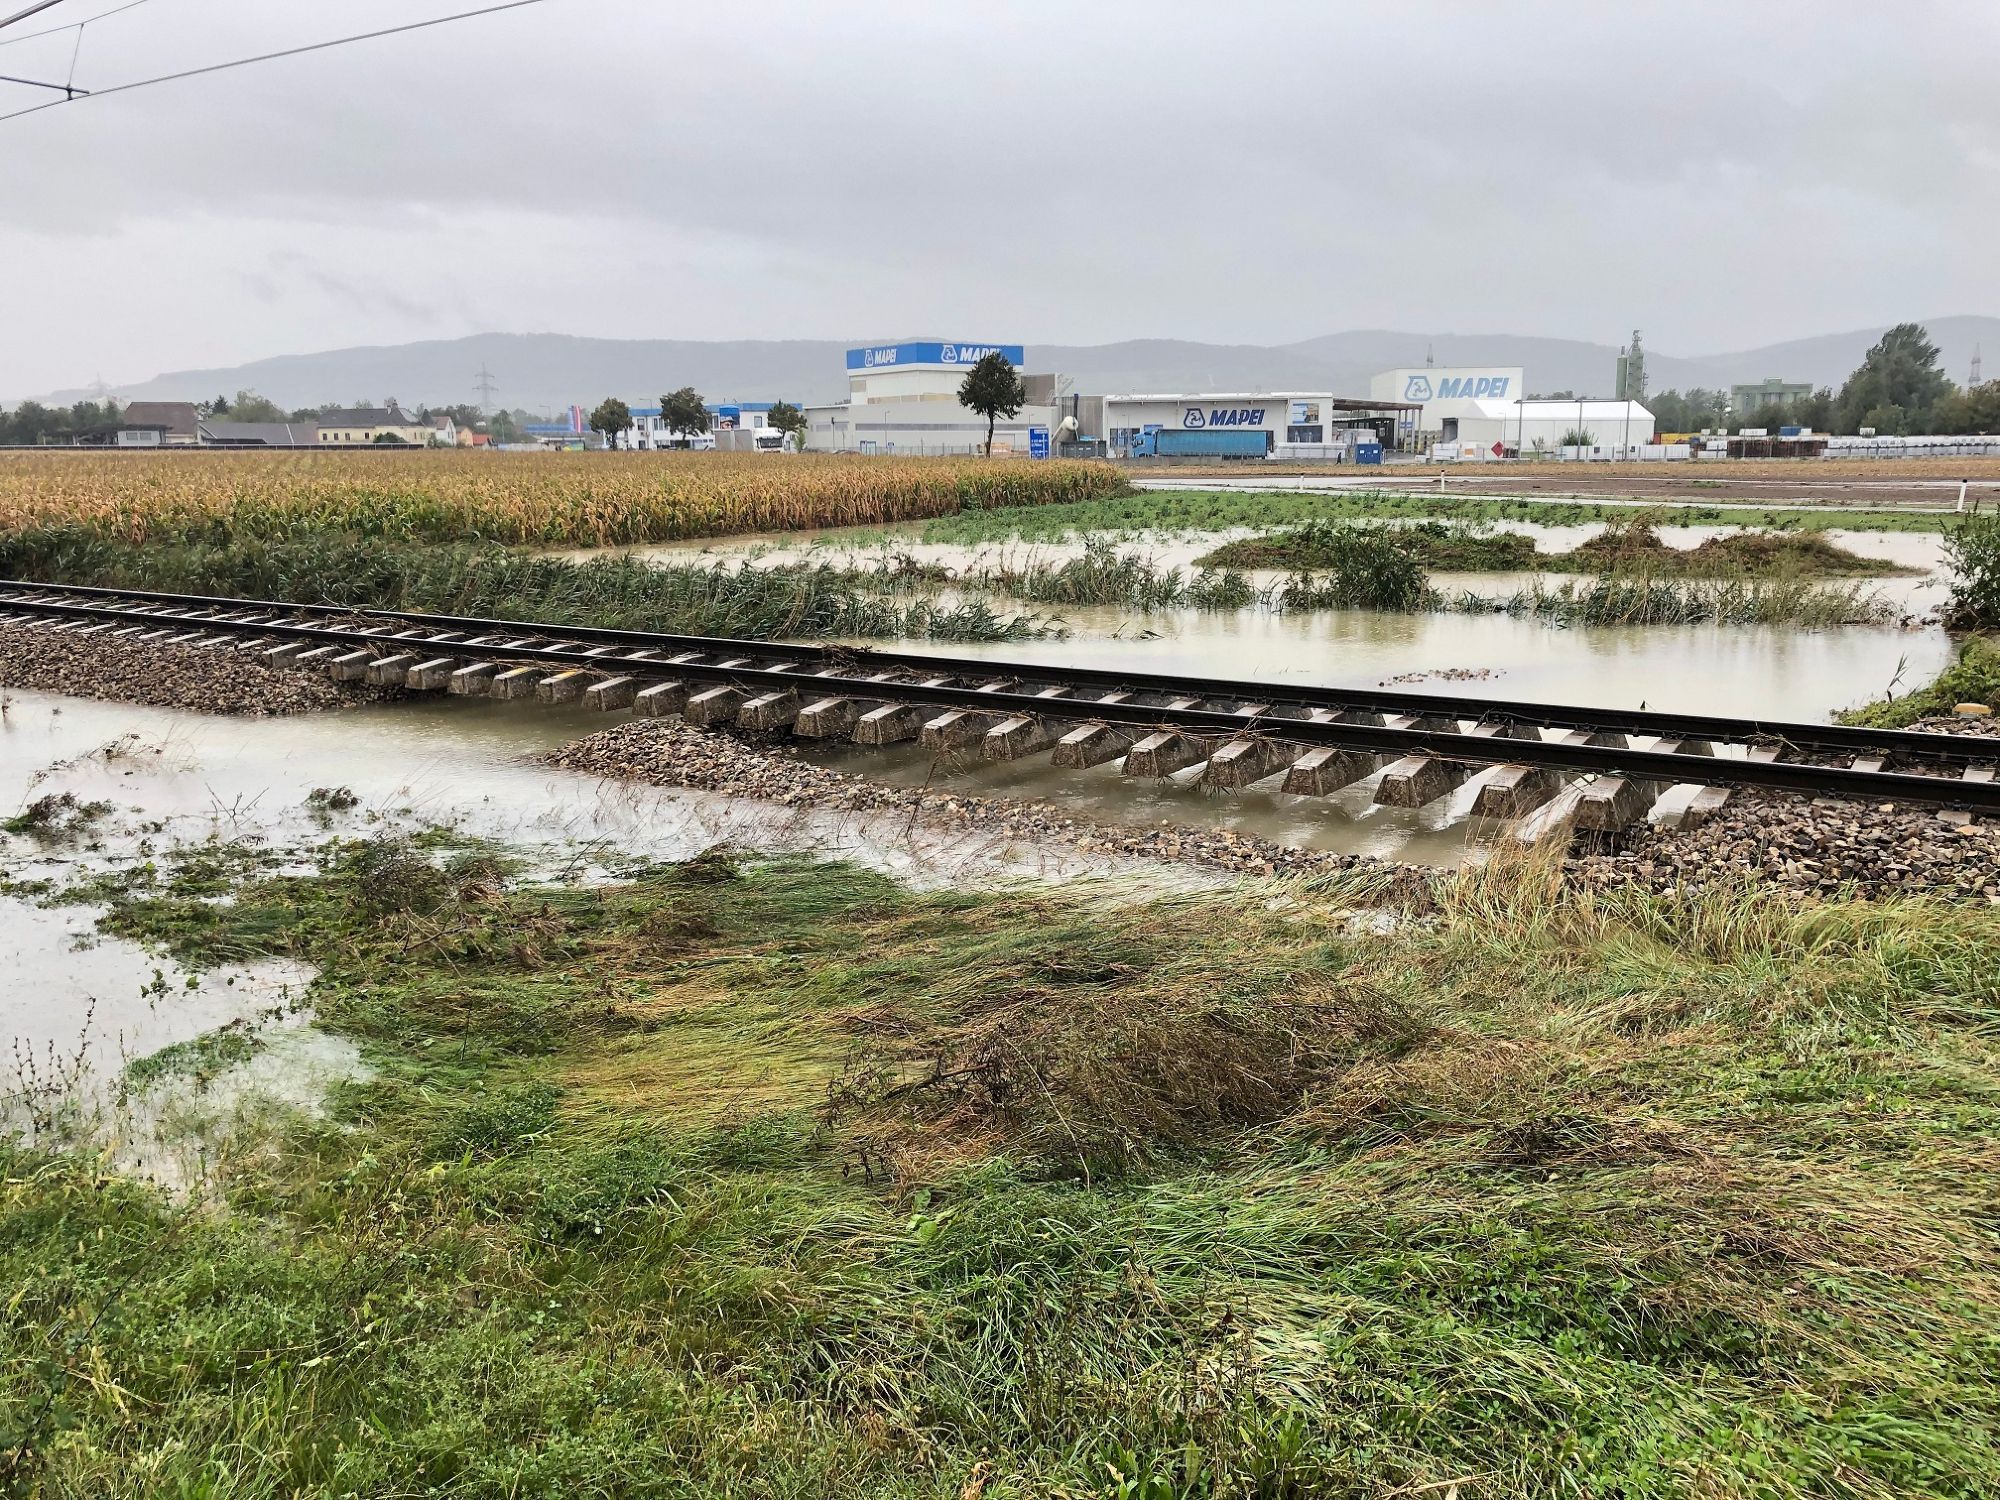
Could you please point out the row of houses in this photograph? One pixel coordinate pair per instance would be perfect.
(177, 424)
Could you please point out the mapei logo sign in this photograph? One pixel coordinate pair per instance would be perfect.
(1456, 387)
(968, 354)
(880, 356)
(1223, 416)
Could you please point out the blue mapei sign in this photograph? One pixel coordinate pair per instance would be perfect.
(1456, 387)
(1223, 416)
(889, 356)
(1038, 442)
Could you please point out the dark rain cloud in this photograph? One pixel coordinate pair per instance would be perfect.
(1252, 171)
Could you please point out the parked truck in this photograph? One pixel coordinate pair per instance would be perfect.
(1202, 443)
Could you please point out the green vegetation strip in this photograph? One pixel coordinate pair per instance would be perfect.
(1222, 510)
(781, 1179)
(1630, 547)
(1973, 678)
(334, 566)
(1369, 567)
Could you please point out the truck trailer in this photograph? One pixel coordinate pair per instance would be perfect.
(1167, 442)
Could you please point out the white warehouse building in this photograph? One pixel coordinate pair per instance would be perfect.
(1437, 401)
(903, 398)
(1484, 410)
(1494, 428)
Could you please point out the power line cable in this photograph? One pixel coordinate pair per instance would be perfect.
(73, 25)
(34, 10)
(244, 62)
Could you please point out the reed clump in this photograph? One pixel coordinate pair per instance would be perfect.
(1433, 544)
(1102, 575)
(1620, 600)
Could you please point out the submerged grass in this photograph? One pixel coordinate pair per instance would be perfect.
(779, 1178)
(1223, 510)
(616, 592)
(1101, 575)
(1629, 547)
(1433, 544)
(1619, 600)
(1367, 567)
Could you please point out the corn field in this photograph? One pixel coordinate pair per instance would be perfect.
(524, 499)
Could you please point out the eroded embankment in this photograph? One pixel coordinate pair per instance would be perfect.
(668, 752)
(1817, 846)
(204, 679)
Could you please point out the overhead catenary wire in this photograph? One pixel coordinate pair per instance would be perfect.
(36, 83)
(34, 10)
(244, 62)
(29, 36)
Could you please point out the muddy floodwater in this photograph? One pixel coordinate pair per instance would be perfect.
(77, 1007)
(1774, 672)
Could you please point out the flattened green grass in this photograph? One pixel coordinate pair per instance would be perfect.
(780, 1179)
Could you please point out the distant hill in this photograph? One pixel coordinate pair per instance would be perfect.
(548, 371)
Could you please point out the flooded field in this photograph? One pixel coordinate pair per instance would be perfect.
(178, 779)
(78, 1008)
(1777, 672)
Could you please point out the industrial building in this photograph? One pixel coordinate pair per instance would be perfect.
(1259, 424)
(1435, 402)
(649, 429)
(1748, 400)
(903, 398)
(1495, 429)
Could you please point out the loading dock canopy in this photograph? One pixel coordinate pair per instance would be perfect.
(1345, 403)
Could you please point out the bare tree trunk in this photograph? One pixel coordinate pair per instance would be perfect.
(989, 433)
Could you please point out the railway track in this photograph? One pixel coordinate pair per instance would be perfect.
(1603, 768)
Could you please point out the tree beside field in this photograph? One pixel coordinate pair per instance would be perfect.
(994, 390)
(34, 423)
(684, 412)
(611, 418)
(1898, 385)
(789, 420)
(1974, 410)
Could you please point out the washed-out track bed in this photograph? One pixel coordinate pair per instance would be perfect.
(1597, 769)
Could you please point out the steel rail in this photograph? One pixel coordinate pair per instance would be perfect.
(844, 680)
(1822, 738)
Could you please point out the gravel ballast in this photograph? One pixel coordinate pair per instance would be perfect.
(668, 752)
(214, 680)
(1820, 847)
(1817, 845)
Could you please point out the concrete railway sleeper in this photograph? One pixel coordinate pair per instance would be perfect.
(1320, 741)
(1896, 747)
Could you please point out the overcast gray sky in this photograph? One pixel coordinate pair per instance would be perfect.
(1240, 170)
